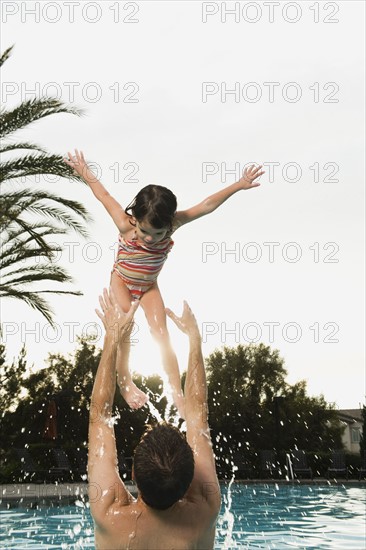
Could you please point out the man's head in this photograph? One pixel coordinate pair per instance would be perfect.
(163, 466)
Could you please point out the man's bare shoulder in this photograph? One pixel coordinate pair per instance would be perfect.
(187, 509)
(186, 525)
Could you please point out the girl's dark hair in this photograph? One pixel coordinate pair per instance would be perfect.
(156, 204)
(163, 466)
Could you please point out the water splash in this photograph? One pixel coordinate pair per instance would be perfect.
(172, 418)
(154, 411)
(132, 535)
(289, 467)
(112, 420)
(228, 517)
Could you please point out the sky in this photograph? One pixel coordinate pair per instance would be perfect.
(185, 95)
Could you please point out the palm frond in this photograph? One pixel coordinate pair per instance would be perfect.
(15, 257)
(17, 249)
(32, 165)
(27, 201)
(27, 270)
(31, 111)
(27, 196)
(37, 237)
(33, 274)
(5, 55)
(25, 241)
(61, 216)
(34, 300)
(24, 145)
(22, 237)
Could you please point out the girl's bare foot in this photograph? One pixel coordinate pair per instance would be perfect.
(134, 397)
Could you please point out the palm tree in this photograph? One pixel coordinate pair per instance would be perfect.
(30, 216)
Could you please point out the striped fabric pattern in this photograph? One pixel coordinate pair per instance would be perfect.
(139, 264)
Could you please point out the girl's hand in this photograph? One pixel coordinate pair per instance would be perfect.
(249, 176)
(78, 163)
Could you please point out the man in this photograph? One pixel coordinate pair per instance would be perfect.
(178, 492)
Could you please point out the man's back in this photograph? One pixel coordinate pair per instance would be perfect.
(175, 475)
(187, 525)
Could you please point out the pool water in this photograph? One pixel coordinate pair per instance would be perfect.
(300, 516)
(252, 516)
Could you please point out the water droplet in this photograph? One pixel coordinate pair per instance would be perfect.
(77, 529)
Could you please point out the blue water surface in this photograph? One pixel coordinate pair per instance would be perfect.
(252, 516)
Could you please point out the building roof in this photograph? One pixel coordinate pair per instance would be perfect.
(350, 415)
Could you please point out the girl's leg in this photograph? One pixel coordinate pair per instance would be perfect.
(153, 306)
(134, 397)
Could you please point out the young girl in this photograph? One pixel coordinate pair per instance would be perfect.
(145, 230)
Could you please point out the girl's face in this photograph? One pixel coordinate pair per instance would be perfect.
(149, 234)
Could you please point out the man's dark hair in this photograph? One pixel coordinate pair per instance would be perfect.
(155, 204)
(163, 466)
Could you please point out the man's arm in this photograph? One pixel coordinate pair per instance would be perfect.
(105, 484)
(205, 483)
(217, 199)
(114, 209)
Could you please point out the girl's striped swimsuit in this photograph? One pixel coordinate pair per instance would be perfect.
(139, 264)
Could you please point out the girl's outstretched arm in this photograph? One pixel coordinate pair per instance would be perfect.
(247, 181)
(114, 209)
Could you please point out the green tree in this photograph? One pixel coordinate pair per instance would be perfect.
(30, 216)
(252, 407)
(66, 380)
(308, 423)
(11, 377)
(242, 383)
(69, 381)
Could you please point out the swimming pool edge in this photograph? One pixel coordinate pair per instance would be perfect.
(57, 493)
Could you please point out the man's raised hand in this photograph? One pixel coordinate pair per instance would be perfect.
(186, 322)
(114, 319)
